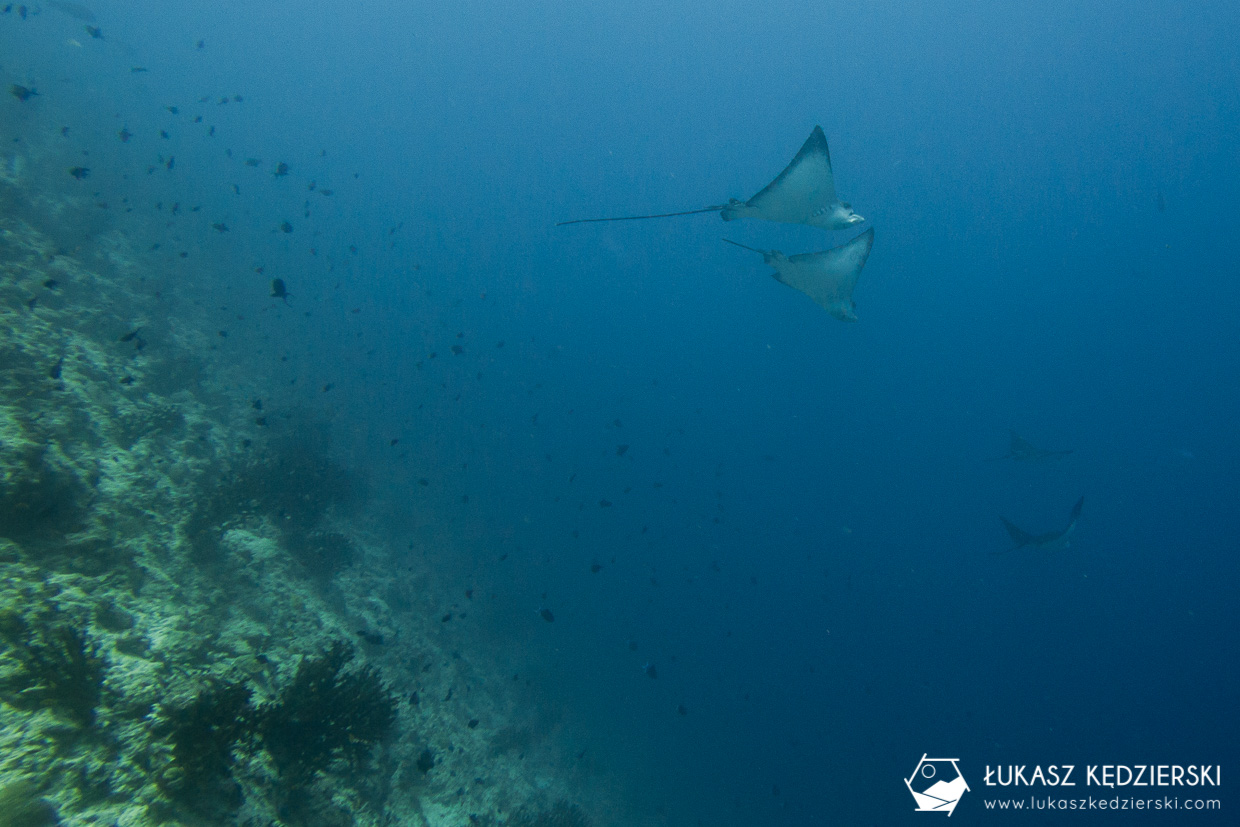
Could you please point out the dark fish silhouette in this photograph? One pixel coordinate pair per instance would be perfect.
(280, 171)
(1051, 540)
(74, 10)
(22, 93)
(1022, 450)
(95, 32)
(278, 291)
(804, 193)
(546, 615)
(79, 172)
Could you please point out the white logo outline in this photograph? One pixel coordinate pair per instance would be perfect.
(941, 796)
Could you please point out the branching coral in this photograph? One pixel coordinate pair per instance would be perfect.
(53, 667)
(203, 733)
(326, 714)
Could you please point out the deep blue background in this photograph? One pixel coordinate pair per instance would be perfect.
(802, 529)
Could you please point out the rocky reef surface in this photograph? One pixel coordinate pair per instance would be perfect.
(196, 625)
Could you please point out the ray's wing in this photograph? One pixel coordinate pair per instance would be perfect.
(804, 188)
(828, 277)
(1019, 536)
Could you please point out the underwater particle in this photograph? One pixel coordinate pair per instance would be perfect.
(426, 761)
(650, 670)
(286, 227)
(632, 646)
(22, 93)
(423, 481)
(621, 450)
(278, 290)
(473, 723)
(546, 615)
(79, 172)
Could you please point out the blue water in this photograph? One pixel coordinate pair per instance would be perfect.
(802, 529)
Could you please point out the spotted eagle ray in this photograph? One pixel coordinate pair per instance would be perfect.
(1022, 450)
(804, 193)
(1051, 540)
(828, 277)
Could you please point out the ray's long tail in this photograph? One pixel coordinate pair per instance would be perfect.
(640, 217)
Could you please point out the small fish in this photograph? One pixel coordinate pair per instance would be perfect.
(54, 373)
(278, 291)
(128, 380)
(458, 350)
(621, 450)
(51, 284)
(650, 670)
(138, 69)
(286, 227)
(163, 133)
(546, 615)
(604, 503)
(94, 31)
(219, 227)
(131, 335)
(281, 170)
(22, 93)
(124, 135)
(202, 44)
(257, 404)
(174, 110)
(595, 568)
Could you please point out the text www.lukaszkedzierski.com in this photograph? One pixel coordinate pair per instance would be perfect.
(1091, 803)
